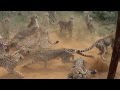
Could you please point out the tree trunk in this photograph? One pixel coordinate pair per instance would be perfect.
(116, 52)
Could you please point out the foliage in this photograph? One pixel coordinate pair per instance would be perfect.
(108, 16)
(21, 18)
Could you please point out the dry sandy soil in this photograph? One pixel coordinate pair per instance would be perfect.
(57, 70)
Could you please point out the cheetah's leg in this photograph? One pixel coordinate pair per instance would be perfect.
(106, 50)
(30, 63)
(61, 31)
(18, 73)
(103, 54)
(45, 64)
(101, 49)
(70, 32)
(12, 71)
(72, 57)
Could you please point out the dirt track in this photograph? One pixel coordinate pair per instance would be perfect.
(58, 70)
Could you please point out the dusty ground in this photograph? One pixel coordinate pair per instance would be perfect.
(58, 70)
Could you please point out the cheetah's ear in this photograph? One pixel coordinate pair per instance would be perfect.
(28, 51)
(21, 57)
(112, 31)
(36, 16)
(7, 49)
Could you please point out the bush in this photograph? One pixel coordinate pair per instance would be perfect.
(108, 16)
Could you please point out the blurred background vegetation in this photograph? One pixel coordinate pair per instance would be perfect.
(108, 16)
(105, 21)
